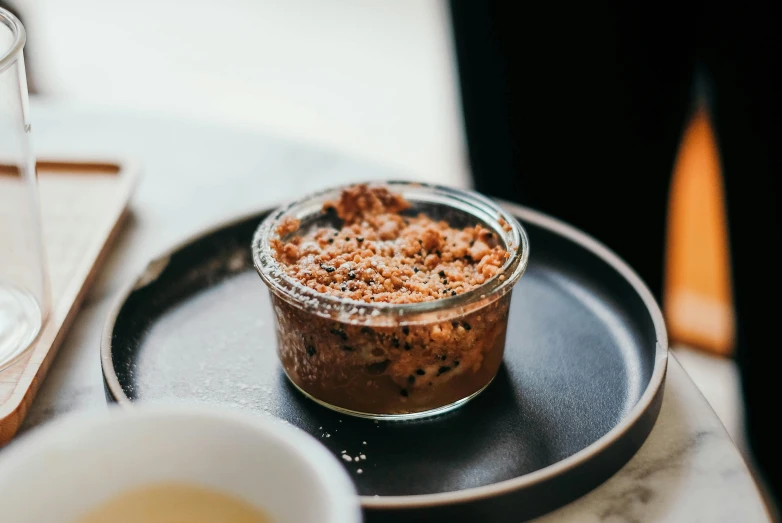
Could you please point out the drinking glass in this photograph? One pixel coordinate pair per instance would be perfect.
(24, 287)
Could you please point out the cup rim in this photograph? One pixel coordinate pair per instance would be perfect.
(10, 55)
(294, 292)
(328, 472)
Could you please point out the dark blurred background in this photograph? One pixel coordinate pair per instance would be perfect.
(586, 113)
(623, 119)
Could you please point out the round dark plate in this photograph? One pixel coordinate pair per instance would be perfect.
(579, 391)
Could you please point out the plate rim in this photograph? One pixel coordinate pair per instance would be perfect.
(421, 501)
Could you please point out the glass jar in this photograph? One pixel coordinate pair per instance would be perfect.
(24, 284)
(389, 360)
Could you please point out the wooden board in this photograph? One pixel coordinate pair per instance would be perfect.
(82, 204)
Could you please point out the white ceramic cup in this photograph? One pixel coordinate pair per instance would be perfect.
(58, 473)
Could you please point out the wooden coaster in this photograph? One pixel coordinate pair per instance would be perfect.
(83, 203)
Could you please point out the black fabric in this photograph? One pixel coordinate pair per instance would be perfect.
(577, 110)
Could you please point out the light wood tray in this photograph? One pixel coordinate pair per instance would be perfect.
(83, 204)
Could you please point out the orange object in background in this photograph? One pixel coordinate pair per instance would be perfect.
(698, 302)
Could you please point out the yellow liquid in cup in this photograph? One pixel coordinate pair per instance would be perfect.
(175, 503)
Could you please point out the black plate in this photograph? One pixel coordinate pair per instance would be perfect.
(577, 395)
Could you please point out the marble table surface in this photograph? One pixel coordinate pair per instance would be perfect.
(687, 470)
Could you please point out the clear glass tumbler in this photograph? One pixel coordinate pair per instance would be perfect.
(24, 289)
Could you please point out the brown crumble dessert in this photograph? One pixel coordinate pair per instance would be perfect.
(380, 255)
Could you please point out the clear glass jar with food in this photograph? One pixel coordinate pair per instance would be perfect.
(391, 299)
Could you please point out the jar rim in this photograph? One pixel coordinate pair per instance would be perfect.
(296, 293)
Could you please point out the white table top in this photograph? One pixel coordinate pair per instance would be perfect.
(688, 469)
